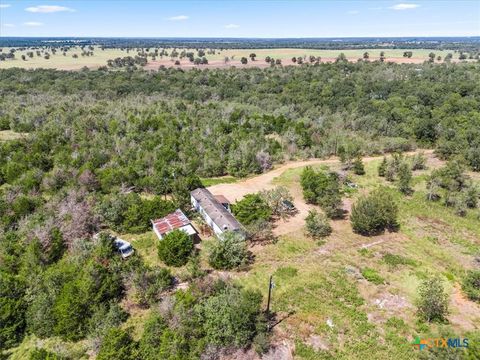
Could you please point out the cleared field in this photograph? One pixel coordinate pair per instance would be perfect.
(100, 57)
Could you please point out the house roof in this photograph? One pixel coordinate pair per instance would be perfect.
(221, 199)
(173, 221)
(219, 215)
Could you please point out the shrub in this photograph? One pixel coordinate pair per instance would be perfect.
(394, 260)
(471, 285)
(229, 252)
(382, 168)
(404, 178)
(358, 168)
(42, 354)
(251, 209)
(275, 198)
(419, 162)
(433, 300)
(117, 344)
(374, 213)
(322, 189)
(372, 276)
(317, 225)
(149, 283)
(230, 316)
(175, 248)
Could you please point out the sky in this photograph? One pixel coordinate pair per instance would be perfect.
(235, 18)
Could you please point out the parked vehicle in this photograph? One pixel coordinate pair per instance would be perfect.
(288, 206)
(124, 247)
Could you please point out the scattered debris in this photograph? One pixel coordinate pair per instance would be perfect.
(330, 323)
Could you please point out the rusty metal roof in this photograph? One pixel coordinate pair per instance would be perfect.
(172, 221)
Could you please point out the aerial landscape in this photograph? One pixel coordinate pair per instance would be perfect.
(239, 180)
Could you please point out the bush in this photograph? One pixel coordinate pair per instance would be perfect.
(394, 260)
(419, 162)
(175, 248)
(230, 317)
(117, 345)
(471, 285)
(374, 213)
(251, 209)
(275, 198)
(404, 178)
(358, 168)
(229, 252)
(317, 225)
(382, 168)
(433, 300)
(42, 354)
(322, 189)
(150, 283)
(372, 276)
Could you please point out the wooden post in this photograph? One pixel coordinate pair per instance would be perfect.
(270, 287)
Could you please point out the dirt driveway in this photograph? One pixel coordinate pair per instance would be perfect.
(236, 191)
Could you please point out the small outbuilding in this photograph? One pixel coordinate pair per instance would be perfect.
(174, 221)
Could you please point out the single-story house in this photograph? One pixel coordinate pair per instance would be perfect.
(215, 214)
(176, 220)
(224, 201)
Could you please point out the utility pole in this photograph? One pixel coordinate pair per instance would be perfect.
(271, 285)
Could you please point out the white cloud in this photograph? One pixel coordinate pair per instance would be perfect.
(32, 23)
(353, 12)
(8, 25)
(4, 6)
(403, 6)
(48, 9)
(232, 26)
(178, 18)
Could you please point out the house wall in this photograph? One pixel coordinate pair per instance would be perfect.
(216, 229)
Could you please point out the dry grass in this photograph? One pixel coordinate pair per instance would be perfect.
(100, 57)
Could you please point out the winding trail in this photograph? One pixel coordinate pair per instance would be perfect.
(236, 191)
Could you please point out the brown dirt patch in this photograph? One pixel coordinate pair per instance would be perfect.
(467, 313)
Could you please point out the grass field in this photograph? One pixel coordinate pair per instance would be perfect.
(318, 282)
(100, 57)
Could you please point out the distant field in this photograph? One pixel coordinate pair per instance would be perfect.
(100, 57)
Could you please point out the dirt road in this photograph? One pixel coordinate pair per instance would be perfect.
(236, 191)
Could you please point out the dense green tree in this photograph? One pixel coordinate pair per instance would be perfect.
(322, 188)
(175, 248)
(250, 209)
(117, 344)
(12, 309)
(230, 316)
